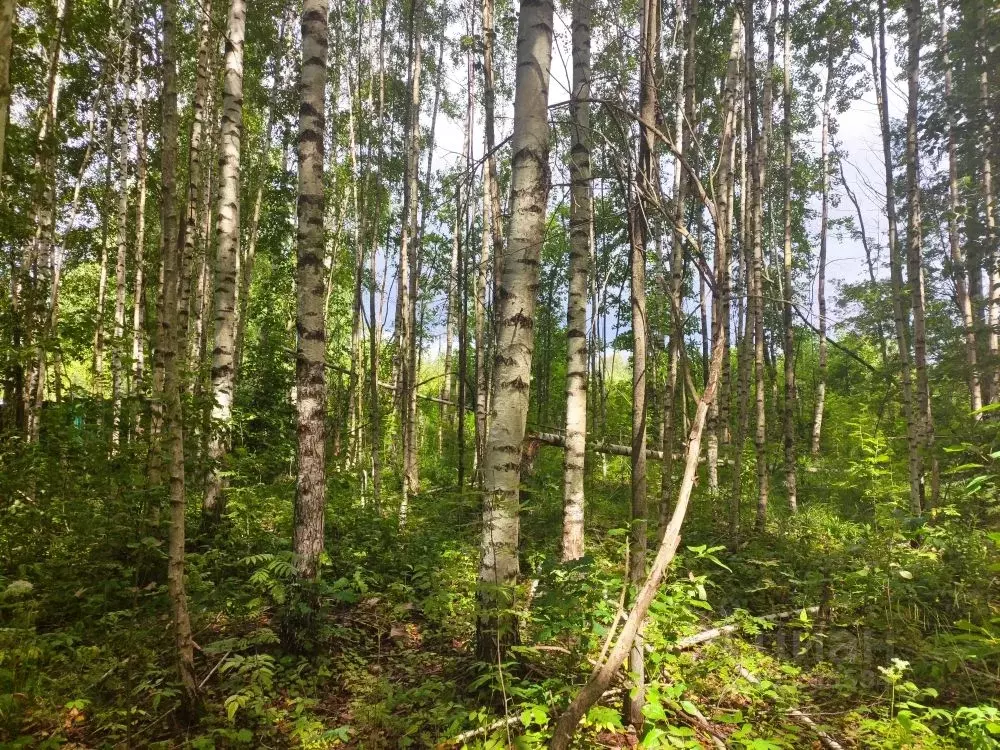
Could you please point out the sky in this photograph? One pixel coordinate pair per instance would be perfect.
(858, 136)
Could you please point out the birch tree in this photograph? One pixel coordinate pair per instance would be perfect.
(498, 567)
(581, 217)
(310, 375)
(923, 418)
(228, 233)
(789, 290)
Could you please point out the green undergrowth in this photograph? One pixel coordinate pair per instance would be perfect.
(904, 652)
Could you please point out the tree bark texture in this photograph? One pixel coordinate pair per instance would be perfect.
(228, 250)
(580, 250)
(517, 296)
(310, 376)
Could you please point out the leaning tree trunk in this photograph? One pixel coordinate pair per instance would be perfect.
(602, 675)
(644, 199)
(310, 496)
(498, 568)
(580, 218)
(228, 233)
(914, 265)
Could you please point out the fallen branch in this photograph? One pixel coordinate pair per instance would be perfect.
(712, 633)
(698, 719)
(827, 741)
(551, 438)
(504, 722)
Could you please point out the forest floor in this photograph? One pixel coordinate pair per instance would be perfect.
(380, 654)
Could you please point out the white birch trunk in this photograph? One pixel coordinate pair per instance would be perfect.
(580, 251)
(498, 568)
(228, 238)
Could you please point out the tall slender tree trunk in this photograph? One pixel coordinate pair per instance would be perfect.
(498, 568)
(483, 334)
(914, 250)
(791, 483)
(407, 270)
(900, 301)
(354, 390)
(37, 266)
(957, 256)
(7, 8)
(118, 332)
(580, 250)
(452, 313)
(228, 238)
(97, 361)
(602, 675)
(190, 228)
(758, 186)
(171, 358)
(645, 196)
(373, 219)
(462, 311)
(489, 131)
(50, 325)
(992, 254)
(824, 223)
(745, 322)
(139, 284)
(310, 497)
(249, 250)
(684, 130)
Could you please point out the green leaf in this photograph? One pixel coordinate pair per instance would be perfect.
(689, 707)
(654, 712)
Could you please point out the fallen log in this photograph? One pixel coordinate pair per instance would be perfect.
(612, 449)
(559, 441)
(712, 633)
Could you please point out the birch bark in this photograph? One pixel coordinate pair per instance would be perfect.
(228, 237)
(310, 497)
(498, 568)
(581, 215)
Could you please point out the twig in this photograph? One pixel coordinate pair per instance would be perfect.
(698, 719)
(828, 742)
(212, 670)
(505, 722)
(618, 613)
